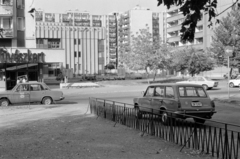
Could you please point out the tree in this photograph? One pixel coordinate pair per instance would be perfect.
(192, 60)
(144, 52)
(227, 33)
(192, 10)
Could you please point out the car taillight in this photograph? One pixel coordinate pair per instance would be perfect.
(179, 105)
(213, 104)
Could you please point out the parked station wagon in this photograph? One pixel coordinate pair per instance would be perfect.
(178, 98)
(30, 92)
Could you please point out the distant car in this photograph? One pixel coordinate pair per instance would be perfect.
(206, 82)
(190, 99)
(234, 82)
(30, 92)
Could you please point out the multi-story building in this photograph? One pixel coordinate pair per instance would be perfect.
(89, 40)
(130, 22)
(203, 33)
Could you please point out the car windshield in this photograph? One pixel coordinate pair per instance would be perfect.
(207, 78)
(189, 91)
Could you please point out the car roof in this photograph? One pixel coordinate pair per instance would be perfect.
(175, 84)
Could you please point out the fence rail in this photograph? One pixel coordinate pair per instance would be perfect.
(221, 140)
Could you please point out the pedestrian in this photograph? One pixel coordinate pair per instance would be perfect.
(23, 80)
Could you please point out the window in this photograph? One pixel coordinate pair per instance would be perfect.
(7, 23)
(192, 92)
(159, 92)
(169, 92)
(200, 79)
(53, 43)
(7, 2)
(79, 66)
(22, 88)
(20, 23)
(36, 87)
(149, 92)
(75, 53)
(79, 41)
(20, 4)
(79, 53)
(75, 41)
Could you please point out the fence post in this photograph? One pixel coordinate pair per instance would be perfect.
(104, 109)
(226, 142)
(113, 111)
(195, 137)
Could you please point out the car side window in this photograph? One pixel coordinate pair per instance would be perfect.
(159, 91)
(169, 92)
(36, 87)
(200, 79)
(149, 92)
(181, 91)
(22, 88)
(192, 79)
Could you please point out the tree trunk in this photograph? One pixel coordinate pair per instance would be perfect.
(154, 77)
(147, 75)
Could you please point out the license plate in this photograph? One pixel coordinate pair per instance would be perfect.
(196, 104)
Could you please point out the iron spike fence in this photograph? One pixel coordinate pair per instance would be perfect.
(218, 139)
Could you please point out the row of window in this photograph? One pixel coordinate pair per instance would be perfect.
(168, 92)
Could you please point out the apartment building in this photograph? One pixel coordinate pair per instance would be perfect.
(130, 22)
(203, 34)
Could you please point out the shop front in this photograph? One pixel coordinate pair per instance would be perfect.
(16, 66)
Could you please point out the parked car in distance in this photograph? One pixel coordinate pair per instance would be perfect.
(206, 82)
(30, 92)
(234, 82)
(178, 98)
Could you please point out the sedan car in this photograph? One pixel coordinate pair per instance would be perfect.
(30, 92)
(178, 98)
(234, 82)
(206, 82)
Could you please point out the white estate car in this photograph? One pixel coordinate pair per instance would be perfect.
(234, 82)
(206, 82)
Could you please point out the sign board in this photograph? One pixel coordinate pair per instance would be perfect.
(229, 50)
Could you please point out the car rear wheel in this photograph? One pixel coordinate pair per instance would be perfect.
(205, 86)
(231, 85)
(200, 121)
(47, 100)
(164, 117)
(4, 102)
(138, 113)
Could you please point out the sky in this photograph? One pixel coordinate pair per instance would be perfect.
(101, 7)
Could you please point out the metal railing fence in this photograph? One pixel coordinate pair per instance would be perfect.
(215, 138)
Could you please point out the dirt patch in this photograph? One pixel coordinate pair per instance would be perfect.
(83, 136)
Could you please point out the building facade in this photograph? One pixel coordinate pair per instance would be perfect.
(130, 22)
(88, 40)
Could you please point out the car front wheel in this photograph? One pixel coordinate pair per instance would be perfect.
(47, 101)
(4, 102)
(231, 85)
(205, 87)
(138, 113)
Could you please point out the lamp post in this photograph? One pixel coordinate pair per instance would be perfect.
(229, 51)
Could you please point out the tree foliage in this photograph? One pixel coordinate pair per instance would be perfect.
(144, 52)
(110, 66)
(226, 34)
(192, 10)
(192, 60)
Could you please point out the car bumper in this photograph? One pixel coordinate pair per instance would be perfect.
(189, 114)
(61, 98)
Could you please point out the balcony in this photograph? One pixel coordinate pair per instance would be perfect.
(6, 10)
(176, 17)
(173, 39)
(7, 33)
(175, 28)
